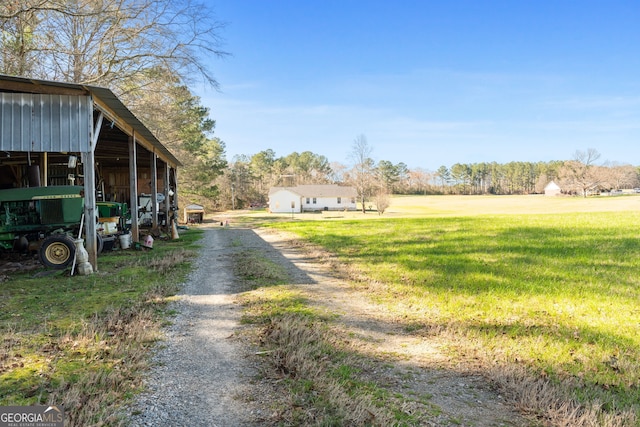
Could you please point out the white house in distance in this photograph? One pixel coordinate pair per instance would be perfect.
(552, 189)
(302, 198)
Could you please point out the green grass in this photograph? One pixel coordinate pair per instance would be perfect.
(271, 297)
(557, 293)
(82, 341)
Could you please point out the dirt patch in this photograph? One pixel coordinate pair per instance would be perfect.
(14, 263)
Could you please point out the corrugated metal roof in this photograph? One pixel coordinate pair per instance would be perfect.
(104, 100)
(194, 207)
(40, 122)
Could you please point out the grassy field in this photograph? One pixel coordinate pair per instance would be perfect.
(549, 285)
(83, 341)
(476, 205)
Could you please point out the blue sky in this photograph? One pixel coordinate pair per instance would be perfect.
(429, 83)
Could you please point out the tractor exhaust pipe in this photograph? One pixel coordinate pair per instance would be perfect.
(33, 174)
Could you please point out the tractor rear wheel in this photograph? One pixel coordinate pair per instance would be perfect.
(57, 252)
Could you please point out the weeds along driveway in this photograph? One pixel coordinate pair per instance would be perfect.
(204, 375)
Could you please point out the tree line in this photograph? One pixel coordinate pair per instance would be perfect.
(250, 177)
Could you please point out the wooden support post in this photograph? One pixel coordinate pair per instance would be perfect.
(167, 198)
(90, 238)
(90, 214)
(175, 190)
(154, 191)
(44, 170)
(133, 188)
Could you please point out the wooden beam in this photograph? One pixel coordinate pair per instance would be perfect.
(34, 87)
(96, 131)
(113, 117)
(124, 126)
(175, 189)
(44, 161)
(90, 211)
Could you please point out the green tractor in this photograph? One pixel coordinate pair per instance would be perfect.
(43, 220)
(114, 219)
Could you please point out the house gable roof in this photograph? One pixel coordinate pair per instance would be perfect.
(319, 190)
(552, 186)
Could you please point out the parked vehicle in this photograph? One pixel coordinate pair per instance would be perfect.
(43, 220)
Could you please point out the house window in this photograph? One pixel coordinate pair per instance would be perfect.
(339, 200)
(353, 200)
(293, 204)
(308, 200)
(314, 200)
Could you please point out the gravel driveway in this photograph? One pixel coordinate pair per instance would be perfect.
(201, 376)
(204, 375)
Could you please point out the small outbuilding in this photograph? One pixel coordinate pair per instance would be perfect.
(193, 214)
(322, 197)
(552, 189)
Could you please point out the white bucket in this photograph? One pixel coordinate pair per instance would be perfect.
(148, 241)
(125, 241)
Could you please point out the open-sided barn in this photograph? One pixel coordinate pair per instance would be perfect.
(54, 134)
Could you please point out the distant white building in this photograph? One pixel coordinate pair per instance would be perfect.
(552, 189)
(302, 198)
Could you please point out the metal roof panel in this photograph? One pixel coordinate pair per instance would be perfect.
(16, 116)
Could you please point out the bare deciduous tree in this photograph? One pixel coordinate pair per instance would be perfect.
(111, 43)
(339, 172)
(621, 176)
(145, 51)
(363, 172)
(419, 180)
(17, 39)
(580, 174)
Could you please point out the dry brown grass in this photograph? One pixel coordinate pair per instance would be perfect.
(304, 351)
(114, 349)
(83, 342)
(167, 261)
(551, 404)
(122, 338)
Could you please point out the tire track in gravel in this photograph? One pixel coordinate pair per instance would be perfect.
(201, 376)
